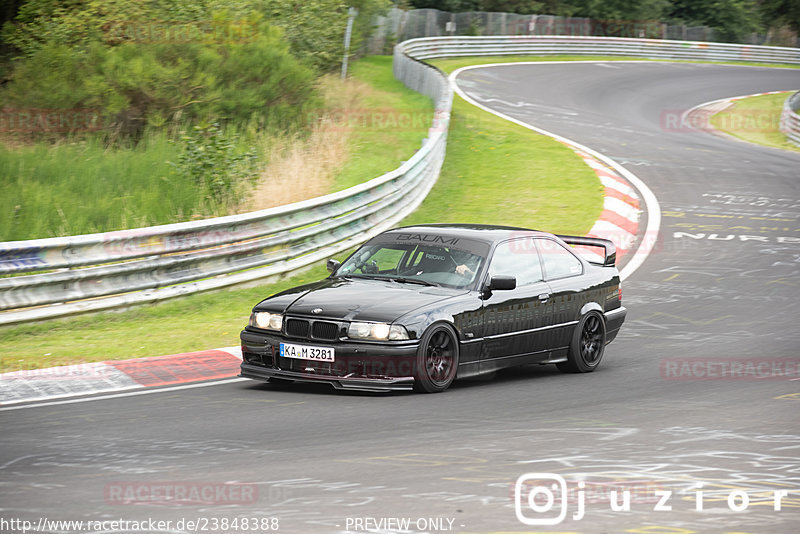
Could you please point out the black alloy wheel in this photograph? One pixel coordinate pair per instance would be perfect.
(437, 359)
(588, 345)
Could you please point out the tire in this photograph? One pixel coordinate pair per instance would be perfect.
(437, 359)
(587, 346)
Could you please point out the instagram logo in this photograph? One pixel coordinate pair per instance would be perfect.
(536, 496)
(536, 492)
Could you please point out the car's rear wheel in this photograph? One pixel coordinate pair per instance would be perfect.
(587, 346)
(437, 359)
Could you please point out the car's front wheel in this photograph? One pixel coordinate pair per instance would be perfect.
(437, 359)
(587, 346)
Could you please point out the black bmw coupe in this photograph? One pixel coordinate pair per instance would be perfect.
(418, 307)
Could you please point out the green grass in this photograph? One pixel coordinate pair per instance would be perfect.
(78, 188)
(394, 122)
(495, 172)
(755, 120)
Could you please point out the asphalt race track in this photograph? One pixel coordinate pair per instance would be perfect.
(649, 420)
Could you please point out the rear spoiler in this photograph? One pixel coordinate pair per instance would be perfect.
(610, 251)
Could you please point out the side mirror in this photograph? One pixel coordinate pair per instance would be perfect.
(333, 265)
(502, 282)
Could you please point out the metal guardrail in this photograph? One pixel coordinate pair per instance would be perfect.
(116, 269)
(790, 119)
(438, 47)
(155, 263)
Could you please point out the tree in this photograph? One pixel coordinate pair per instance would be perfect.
(620, 10)
(776, 13)
(731, 20)
(523, 7)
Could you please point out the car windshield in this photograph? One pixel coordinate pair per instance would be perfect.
(449, 262)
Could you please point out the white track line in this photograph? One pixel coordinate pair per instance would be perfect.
(653, 223)
(145, 391)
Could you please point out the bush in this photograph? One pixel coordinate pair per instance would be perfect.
(211, 161)
(135, 85)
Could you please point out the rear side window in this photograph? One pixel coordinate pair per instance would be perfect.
(557, 260)
(517, 258)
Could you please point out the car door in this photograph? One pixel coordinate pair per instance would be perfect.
(562, 271)
(513, 319)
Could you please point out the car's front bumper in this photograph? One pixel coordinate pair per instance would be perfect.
(352, 383)
(359, 366)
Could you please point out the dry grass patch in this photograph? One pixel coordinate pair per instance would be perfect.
(303, 168)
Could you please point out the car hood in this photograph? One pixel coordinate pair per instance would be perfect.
(354, 299)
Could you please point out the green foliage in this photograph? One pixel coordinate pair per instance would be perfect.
(248, 77)
(363, 27)
(780, 12)
(52, 77)
(732, 20)
(210, 159)
(621, 10)
(77, 23)
(448, 5)
(315, 30)
(524, 7)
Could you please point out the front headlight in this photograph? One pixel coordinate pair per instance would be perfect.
(377, 331)
(267, 320)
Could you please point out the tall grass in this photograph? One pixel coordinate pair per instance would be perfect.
(385, 126)
(83, 187)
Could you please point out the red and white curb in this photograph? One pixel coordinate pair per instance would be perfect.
(118, 375)
(619, 221)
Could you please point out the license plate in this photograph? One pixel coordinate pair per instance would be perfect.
(307, 352)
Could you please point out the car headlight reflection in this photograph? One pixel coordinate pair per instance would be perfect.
(267, 320)
(377, 331)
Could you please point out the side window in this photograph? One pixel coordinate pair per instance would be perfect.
(517, 258)
(558, 261)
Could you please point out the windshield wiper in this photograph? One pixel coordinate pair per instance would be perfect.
(413, 281)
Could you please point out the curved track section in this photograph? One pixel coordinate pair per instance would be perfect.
(720, 287)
